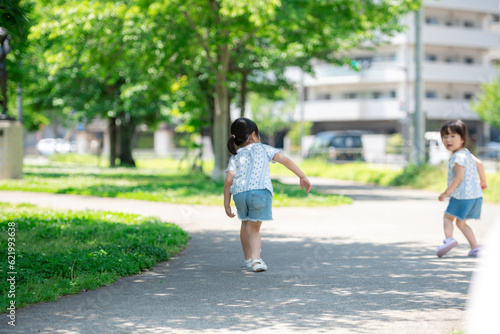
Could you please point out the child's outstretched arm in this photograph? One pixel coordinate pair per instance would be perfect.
(227, 194)
(459, 176)
(482, 174)
(288, 163)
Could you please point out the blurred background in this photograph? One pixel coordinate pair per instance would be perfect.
(366, 81)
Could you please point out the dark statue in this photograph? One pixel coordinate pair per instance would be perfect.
(4, 50)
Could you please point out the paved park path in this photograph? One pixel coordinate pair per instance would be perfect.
(369, 267)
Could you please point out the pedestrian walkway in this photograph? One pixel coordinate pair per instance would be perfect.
(369, 267)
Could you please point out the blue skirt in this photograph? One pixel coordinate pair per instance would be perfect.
(464, 209)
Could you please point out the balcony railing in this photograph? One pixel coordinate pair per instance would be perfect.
(459, 37)
(448, 109)
(395, 72)
(457, 73)
(381, 109)
(351, 110)
(484, 6)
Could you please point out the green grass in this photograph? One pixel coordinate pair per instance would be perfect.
(167, 185)
(166, 164)
(66, 252)
(354, 171)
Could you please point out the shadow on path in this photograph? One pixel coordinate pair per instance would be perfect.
(312, 284)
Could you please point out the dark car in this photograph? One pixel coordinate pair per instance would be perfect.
(337, 145)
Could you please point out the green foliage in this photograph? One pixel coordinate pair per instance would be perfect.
(152, 185)
(487, 104)
(422, 177)
(151, 61)
(272, 116)
(13, 16)
(60, 253)
(234, 46)
(294, 132)
(395, 144)
(354, 171)
(100, 58)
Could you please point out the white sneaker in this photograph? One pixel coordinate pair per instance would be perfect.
(259, 265)
(247, 263)
(448, 245)
(475, 252)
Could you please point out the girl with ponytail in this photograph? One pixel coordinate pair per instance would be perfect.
(249, 182)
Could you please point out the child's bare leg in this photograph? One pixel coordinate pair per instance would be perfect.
(448, 226)
(468, 233)
(245, 243)
(253, 232)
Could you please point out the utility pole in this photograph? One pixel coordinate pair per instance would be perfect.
(419, 115)
(409, 135)
(302, 97)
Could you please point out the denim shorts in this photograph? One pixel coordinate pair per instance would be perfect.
(254, 205)
(464, 209)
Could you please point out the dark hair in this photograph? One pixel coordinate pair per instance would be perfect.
(456, 126)
(240, 130)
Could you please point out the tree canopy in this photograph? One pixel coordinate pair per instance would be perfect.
(185, 62)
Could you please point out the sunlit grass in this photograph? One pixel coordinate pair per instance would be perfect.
(425, 177)
(66, 252)
(159, 184)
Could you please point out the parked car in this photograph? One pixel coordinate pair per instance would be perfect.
(49, 146)
(337, 145)
(493, 150)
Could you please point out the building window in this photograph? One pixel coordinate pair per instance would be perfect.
(448, 96)
(448, 60)
(325, 96)
(469, 24)
(469, 60)
(430, 94)
(496, 18)
(377, 95)
(468, 96)
(430, 57)
(449, 23)
(350, 96)
(392, 94)
(431, 20)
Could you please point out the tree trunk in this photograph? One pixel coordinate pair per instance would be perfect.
(127, 131)
(221, 116)
(221, 130)
(208, 92)
(112, 141)
(243, 93)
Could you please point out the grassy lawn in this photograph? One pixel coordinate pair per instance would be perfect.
(169, 180)
(160, 182)
(65, 252)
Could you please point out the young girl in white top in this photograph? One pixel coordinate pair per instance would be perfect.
(248, 180)
(464, 187)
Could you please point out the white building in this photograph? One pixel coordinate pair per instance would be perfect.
(461, 42)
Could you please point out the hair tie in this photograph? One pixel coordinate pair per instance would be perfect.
(234, 136)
